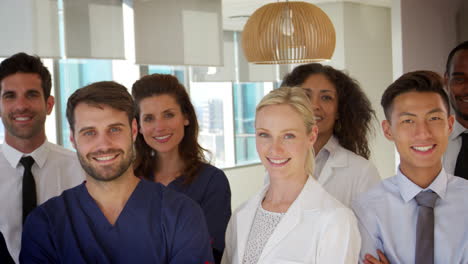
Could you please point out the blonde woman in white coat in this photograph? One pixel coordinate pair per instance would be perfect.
(293, 219)
(344, 118)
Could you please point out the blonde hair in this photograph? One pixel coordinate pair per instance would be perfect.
(296, 98)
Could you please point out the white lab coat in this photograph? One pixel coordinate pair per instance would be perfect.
(315, 229)
(346, 174)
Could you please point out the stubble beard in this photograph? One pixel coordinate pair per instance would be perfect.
(111, 172)
(24, 132)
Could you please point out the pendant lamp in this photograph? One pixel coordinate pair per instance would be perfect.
(288, 33)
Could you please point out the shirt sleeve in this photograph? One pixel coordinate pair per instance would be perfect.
(37, 244)
(369, 240)
(216, 205)
(190, 240)
(370, 177)
(340, 240)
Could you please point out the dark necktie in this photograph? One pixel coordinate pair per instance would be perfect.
(29, 187)
(425, 228)
(5, 257)
(461, 169)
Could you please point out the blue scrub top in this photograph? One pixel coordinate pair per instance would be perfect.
(157, 225)
(211, 190)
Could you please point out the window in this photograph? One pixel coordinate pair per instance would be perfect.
(74, 74)
(246, 98)
(226, 115)
(213, 105)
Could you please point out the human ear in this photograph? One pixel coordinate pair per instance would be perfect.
(72, 138)
(386, 127)
(50, 104)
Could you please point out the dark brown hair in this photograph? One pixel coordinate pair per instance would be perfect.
(353, 127)
(24, 63)
(190, 151)
(417, 81)
(98, 94)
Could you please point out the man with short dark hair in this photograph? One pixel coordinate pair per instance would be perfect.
(113, 217)
(32, 170)
(456, 84)
(416, 216)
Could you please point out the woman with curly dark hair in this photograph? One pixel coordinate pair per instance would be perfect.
(344, 118)
(168, 151)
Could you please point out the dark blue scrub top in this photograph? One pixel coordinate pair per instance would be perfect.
(157, 225)
(211, 190)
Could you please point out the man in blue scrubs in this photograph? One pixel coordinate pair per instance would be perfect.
(113, 217)
(419, 215)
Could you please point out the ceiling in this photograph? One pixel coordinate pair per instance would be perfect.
(236, 12)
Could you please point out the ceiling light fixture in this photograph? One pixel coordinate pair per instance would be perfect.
(287, 33)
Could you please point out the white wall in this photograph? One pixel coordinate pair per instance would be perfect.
(364, 50)
(245, 182)
(429, 32)
(368, 50)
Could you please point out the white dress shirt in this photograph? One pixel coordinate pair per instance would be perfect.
(316, 229)
(388, 215)
(343, 173)
(55, 169)
(453, 148)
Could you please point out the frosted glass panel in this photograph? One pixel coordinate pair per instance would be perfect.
(201, 34)
(29, 26)
(185, 32)
(219, 74)
(94, 29)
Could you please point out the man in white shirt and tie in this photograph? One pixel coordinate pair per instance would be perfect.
(456, 84)
(417, 216)
(32, 169)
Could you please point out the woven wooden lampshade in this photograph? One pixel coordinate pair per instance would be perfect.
(288, 32)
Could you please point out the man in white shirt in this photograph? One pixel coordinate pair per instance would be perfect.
(456, 84)
(25, 101)
(417, 216)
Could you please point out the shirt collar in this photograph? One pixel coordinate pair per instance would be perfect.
(13, 156)
(408, 189)
(458, 129)
(331, 146)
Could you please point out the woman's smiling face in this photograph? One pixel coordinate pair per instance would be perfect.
(282, 140)
(324, 101)
(162, 123)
